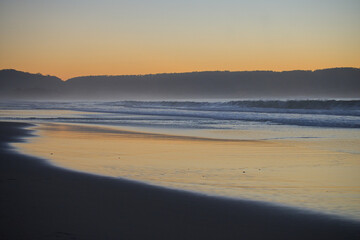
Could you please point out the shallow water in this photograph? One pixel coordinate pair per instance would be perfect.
(301, 173)
(300, 153)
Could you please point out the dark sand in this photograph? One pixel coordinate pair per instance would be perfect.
(40, 201)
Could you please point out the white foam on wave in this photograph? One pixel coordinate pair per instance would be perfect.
(192, 114)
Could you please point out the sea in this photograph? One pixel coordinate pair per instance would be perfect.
(300, 153)
(201, 114)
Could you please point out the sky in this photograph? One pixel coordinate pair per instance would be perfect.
(69, 38)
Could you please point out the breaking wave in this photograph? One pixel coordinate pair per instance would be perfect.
(316, 113)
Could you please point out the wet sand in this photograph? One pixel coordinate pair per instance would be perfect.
(300, 173)
(40, 201)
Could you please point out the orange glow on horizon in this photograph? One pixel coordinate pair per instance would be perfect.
(68, 39)
(69, 61)
(69, 70)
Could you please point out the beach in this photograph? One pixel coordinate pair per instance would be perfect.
(41, 201)
(180, 120)
(306, 174)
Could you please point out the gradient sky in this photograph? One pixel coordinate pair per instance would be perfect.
(69, 38)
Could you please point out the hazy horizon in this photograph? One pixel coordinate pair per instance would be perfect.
(326, 83)
(168, 73)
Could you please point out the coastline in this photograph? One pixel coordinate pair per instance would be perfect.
(285, 172)
(40, 201)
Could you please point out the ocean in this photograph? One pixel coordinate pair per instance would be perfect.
(204, 115)
(300, 153)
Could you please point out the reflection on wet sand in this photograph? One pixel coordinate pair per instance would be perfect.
(296, 173)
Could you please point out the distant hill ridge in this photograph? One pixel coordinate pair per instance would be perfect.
(325, 83)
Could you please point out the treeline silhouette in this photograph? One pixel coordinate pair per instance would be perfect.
(326, 83)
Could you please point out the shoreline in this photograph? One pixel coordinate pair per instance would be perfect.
(267, 171)
(41, 201)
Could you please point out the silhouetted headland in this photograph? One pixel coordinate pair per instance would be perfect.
(326, 83)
